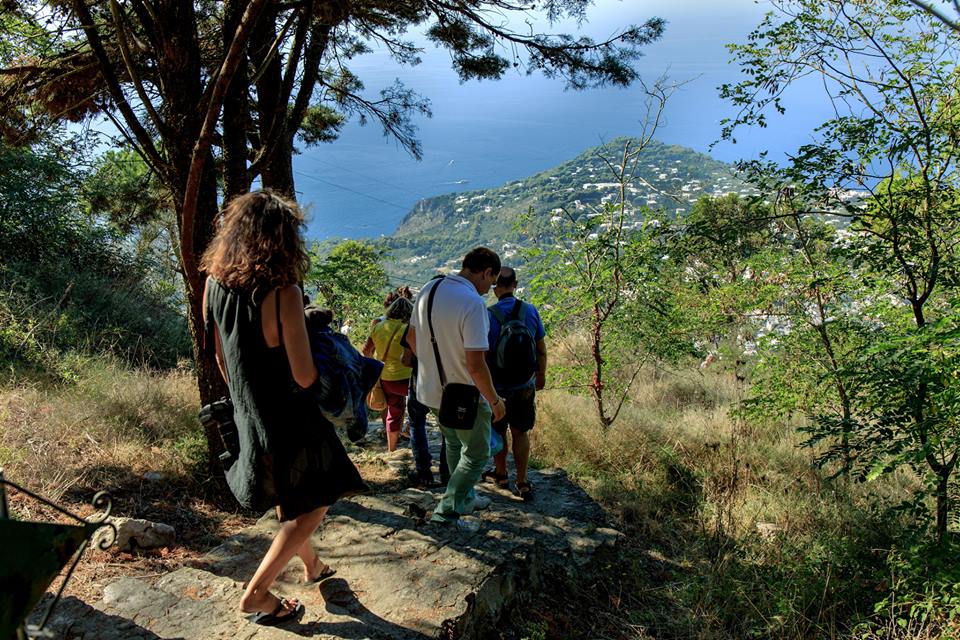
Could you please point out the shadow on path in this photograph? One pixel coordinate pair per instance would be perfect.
(341, 600)
(73, 616)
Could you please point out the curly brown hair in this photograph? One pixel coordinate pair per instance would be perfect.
(258, 245)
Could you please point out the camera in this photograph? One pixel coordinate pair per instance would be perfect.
(219, 415)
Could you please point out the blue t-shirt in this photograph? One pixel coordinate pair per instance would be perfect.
(505, 305)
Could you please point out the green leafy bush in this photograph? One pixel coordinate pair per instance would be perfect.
(921, 595)
(67, 281)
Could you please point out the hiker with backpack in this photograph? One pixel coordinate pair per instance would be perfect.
(518, 363)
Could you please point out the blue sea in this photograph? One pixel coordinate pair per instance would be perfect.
(483, 134)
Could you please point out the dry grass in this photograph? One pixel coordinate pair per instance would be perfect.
(54, 438)
(107, 426)
(688, 484)
(104, 428)
(723, 519)
(683, 420)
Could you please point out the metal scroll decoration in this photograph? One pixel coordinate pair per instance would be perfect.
(41, 550)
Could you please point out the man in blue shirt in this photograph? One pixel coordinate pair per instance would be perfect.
(517, 389)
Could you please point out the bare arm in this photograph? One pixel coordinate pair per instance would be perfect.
(368, 348)
(295, 339)
(541, 364)
(480, 373)
(219, 355)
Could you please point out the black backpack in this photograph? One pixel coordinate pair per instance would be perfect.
(514, 358)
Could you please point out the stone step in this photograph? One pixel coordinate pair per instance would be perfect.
(397, 575)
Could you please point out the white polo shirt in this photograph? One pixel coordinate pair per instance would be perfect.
(461, 324)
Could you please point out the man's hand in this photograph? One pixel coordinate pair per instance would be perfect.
(499, 409)
(541, 381)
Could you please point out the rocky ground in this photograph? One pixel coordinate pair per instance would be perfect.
(398, 575)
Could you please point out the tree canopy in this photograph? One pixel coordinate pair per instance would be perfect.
(890, 70)
(291, 78)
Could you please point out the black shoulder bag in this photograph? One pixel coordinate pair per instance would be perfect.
(459, 402)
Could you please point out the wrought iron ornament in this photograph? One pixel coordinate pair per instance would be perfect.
(37, 553)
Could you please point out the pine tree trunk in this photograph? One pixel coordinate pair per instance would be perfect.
(210, 383)
(278, 172)
(236, 121)
(277, 166)
(180, 71)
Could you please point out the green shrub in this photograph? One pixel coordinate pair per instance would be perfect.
(920, 595)
(68, 282)
(535, 631)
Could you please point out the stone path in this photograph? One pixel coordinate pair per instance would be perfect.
(398, 576)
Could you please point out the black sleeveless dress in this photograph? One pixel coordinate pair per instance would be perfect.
(290, 455)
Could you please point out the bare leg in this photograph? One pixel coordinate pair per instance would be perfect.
(312, 565)
(310, 561)
(521, 453)
(290, 539)
(500, 460)
(393, 438)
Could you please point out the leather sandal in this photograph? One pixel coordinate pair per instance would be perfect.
(491, 475)
(525, 491)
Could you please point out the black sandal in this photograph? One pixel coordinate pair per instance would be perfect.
(328, 572)
(273, 619)
(491, 475)
(525, 491)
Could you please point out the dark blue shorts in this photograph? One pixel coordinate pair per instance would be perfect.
(521, 410)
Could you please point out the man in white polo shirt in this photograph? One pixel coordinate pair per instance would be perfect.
(460, 327)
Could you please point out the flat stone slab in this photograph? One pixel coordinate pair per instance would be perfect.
(398, 576)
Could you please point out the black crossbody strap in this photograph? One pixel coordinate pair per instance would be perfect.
(433, 336)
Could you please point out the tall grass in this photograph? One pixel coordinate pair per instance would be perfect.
(108, 416)
(732, 532)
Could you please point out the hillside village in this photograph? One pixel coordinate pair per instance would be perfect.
(666, 178)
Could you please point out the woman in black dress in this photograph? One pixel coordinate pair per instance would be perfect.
(289, 456)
